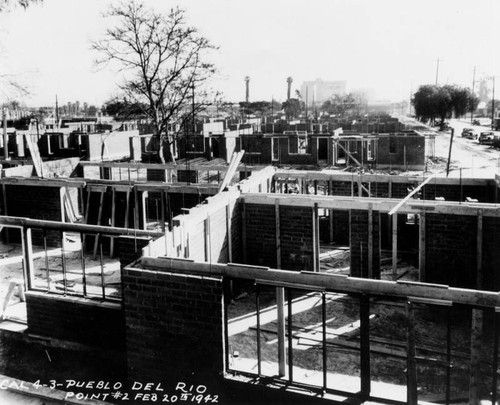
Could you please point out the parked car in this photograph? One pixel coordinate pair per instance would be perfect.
(469, 133)
(476, 122)
(486, 138)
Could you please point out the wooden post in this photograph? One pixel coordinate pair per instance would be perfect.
(243, 230)
(278, 233)
(364, 309)
(208, 250)
(5, 211)
(421, 247)
(144, 197)
(394, 219)
(370, 240)
(280, 305)
(136, 209)
(29, 267)
(99, 218)
(411, 363)
(479, 282)
(229, 233)
(330, 192)
(475, 358)
(113, 213)
(315, 237)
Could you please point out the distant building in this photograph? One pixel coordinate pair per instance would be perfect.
(318, 91)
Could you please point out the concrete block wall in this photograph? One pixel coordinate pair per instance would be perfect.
(174, 326)
(76, 319)
(359, 243)
(451, 249)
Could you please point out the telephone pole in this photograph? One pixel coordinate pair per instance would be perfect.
(473, 84)
(437, 71)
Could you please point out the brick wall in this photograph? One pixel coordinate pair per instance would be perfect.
(450, 249)
(296, 229)
(76, 319)
(260, 235)
(491, 254)
(35, 202)
(359, 243)
(174, 325)
(129, 248)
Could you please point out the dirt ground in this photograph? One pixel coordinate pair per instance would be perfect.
(387, 340)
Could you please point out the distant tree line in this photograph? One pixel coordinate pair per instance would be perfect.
(441, 102)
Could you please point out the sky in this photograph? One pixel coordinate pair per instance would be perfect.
(386, 47)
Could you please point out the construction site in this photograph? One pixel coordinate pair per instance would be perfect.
(250, 279)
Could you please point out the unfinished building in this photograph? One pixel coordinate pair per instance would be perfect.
(289, 285)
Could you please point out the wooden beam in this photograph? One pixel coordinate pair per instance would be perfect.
(113, 215)
(229, 232)
(99, 218)
(410, 195)
(277, 234)
(330, 282)
(422, 247)
(347, 153)
(479, 250)
(23, 181)
(280, 306)
(370, 241)
(379, 204)
(19, 222)
(394, 220)
(244, 230)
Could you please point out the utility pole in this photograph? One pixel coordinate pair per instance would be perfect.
(493, 105)
(473, 84)
(437, 71)
(449, 152)
(5, 138)
(57, 114)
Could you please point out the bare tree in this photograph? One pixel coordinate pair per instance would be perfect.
(162, 59)
(6, 5)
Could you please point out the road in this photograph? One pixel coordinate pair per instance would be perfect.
(474, 160)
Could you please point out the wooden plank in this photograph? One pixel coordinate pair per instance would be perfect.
(277, 234)
(280, 306)
(370, 241)
(99, 218)
(35, 155)
(421, 247)
(479, 251)
(410, 195)
(229, 232)
(347, 153)
(113, 214)
(324, 281)
(379, 204)
(394, 220)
